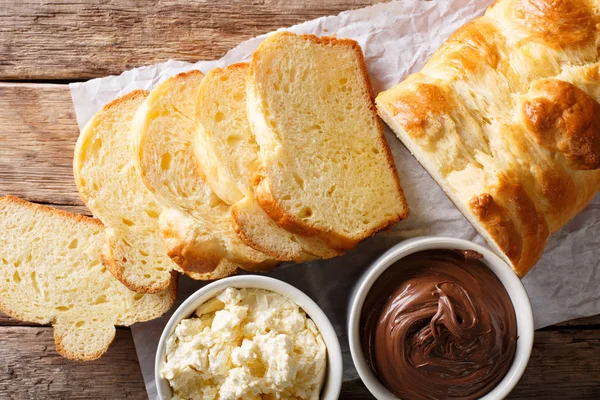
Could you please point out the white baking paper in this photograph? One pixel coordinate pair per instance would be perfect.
(396, 38)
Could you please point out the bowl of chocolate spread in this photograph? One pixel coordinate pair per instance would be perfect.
(440, 318)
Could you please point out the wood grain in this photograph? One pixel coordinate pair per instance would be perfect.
(564, 365)
(38, 132)
(84, 39)
(5, 320)
(592, 322)
(77, 40)
(31, 369)
(587, 323)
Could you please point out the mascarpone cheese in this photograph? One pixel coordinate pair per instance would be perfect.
(246, 344)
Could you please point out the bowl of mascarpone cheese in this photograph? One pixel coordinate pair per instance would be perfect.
(440, 318)
(248, 337)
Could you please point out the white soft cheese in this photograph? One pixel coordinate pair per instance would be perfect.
(246, 344)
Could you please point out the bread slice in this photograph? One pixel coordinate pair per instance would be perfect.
(111, 188)
(227, 153)
(51, 273)
(195, 223)
(326, 168)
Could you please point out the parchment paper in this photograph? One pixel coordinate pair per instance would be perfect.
(396, 38)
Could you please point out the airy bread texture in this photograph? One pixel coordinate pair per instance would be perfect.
(51, 273)
(225, 147)
(325, 166)
(112, 189)
(505, 117)
(195, 223)
(227, 153)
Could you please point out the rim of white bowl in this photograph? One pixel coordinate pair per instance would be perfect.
(501, 269)
(333, 379)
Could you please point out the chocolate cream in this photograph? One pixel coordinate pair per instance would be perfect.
(439, 324)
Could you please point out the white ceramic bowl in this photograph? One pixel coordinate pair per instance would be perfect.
(333, 380)
(509, 279)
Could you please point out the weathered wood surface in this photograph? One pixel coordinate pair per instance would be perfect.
(58, 42)
(85, 39)
(38, 132)
(587, 323)
(31, 369)
(564, 365)
(37, 136)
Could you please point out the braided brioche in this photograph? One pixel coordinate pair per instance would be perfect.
(505, 117)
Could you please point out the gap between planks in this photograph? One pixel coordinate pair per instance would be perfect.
(586, 323)
(38, 132)
(31, 368)
(52, 43)
(80, 40)
(562, 366)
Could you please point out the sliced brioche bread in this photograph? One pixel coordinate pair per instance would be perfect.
(227, 153)
(111, 188)
(50, 272)
(195, 223)
(325, 166)
(225, 146)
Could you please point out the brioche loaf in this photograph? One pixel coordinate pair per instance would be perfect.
(111, 188)
(195, 223)
(505, 117)
(51, 273)
(227, 153)
(325, 166)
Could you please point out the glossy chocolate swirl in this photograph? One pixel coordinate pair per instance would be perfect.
(439, 324)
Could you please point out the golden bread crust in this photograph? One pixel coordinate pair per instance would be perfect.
(510, 216)
(65, 214)
(235, 221)
(504, 116)
(134, 94)
(558, 23)
(291, 223)
(565, 119)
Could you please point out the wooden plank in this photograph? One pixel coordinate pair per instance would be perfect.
(587, 322)
(31, 369)
(81, 40)
(5, 320)
(591, 323)
(564, 364)
(85, 39)
(38, 132)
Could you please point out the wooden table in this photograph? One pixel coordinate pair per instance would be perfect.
(45, 46)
